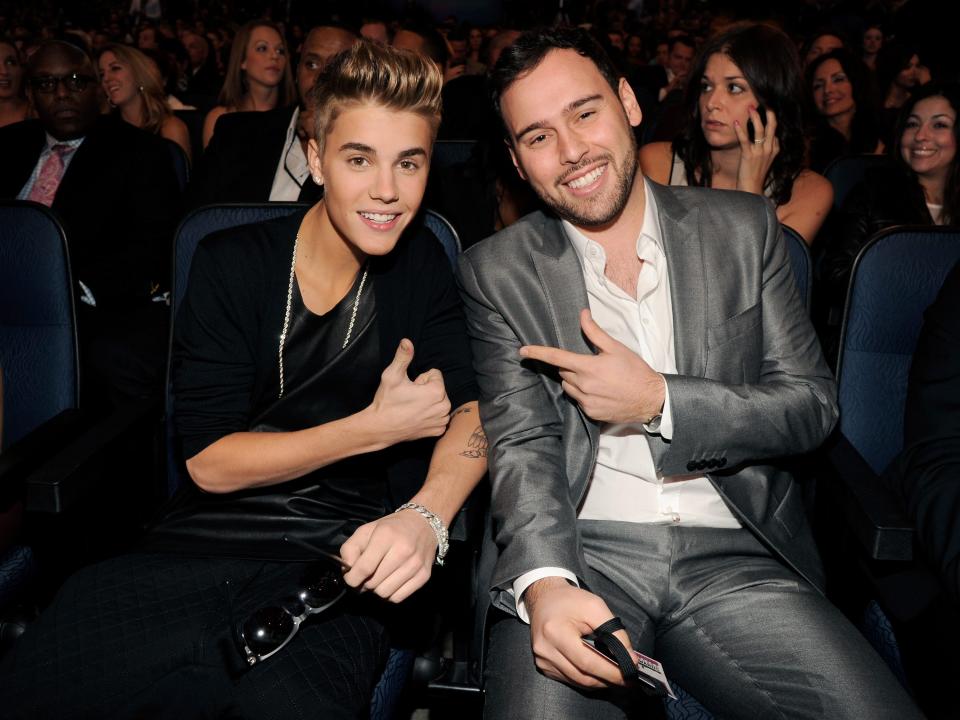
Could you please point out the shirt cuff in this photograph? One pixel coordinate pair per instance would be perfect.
(662, 425)
(521, 584)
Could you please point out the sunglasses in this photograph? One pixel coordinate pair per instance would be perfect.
(267, 630)
(74, 82)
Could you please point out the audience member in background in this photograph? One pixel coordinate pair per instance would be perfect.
(375, 29)
(475, 52)
(115, 191)
(427, 41)
(898, 75)
(844, 117)
(822, 42)
(13, 101)
(133, 84)
(872, 45)
(258, 76)
(661, 54)
(201, 79)
(921, 188)
(681, 51)
(352, 419)
(147, 38)
(261, 156)
(745, 128)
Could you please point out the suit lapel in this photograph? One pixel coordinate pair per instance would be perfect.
(682, 245)
(565, 295)
(562, 280)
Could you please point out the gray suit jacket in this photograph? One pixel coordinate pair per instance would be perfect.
(752, 384)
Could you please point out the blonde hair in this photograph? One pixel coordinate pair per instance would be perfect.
(380, 75)
(146, 76)
(235, 81)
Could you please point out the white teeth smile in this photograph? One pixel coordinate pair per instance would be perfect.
(377, 217)
(587, 179)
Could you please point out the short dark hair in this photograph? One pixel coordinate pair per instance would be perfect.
(682, 40)
(532, 47)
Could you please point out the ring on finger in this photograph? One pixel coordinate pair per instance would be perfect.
(759, 141)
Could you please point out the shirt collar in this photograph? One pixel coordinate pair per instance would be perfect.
(649, 231)
(72, 144)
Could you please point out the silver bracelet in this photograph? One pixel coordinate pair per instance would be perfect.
(439, 529)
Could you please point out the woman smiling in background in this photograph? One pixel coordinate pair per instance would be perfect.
(132, 83)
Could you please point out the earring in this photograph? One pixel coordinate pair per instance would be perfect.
(140, 88)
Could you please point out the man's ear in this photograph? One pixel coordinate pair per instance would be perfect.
(629, 101)
(313, 160)
(516, 163)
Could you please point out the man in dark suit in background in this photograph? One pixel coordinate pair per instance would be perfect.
(261, 156)
(114, 188)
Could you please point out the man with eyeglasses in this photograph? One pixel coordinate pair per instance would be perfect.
(113, 187)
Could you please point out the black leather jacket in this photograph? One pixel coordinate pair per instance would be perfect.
(887, 196)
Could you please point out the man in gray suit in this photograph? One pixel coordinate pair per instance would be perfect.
(644, 357)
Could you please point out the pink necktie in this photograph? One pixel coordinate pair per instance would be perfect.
(48, 180)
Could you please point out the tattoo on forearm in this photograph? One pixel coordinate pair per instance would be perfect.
(461, 411)
(476, 445)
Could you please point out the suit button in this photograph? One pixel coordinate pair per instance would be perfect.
(692, 465)
(711, 463)
(721, 462)
(702, 465)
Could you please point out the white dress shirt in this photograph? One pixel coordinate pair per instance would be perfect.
(292, 170)
(625, 485)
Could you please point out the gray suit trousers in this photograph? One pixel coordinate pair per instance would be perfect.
(732, 625)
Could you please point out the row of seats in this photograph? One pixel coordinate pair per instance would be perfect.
(38, 353)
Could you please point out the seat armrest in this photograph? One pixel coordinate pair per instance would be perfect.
(875, 515)
(73, 467)
(22, 458)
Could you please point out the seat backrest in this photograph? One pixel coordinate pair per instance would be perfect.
(445, 233)
(800, 263)
(194, 227)
(38, 339)
(847, 171)
(181, 165)
(896, 276)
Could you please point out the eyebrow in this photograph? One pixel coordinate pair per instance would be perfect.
(576, 104)
(361, 147)
(725, 77)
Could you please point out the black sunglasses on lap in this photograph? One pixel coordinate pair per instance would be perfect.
(267, 630)
(74, 82)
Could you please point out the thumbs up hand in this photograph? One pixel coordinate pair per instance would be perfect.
(408, 409)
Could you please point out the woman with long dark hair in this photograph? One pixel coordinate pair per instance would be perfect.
(745, 128)
(922, 187)
(844, 109)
